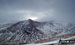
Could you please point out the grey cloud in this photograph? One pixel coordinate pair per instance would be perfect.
(59, 10)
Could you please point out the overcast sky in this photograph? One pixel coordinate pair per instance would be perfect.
(41, 10)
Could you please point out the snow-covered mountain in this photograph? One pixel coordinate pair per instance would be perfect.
(29, 31)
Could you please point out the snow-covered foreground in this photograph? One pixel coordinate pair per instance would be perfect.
(52, 42)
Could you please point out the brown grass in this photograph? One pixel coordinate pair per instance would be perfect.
(52, 39)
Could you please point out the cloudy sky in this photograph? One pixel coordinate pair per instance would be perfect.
(40, 10)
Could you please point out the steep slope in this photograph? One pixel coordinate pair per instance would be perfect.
(24, 31)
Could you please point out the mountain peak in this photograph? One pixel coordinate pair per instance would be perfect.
(29, 19)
